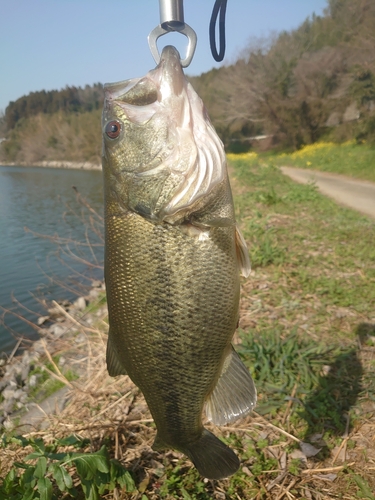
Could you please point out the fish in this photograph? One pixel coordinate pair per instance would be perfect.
(173, 257)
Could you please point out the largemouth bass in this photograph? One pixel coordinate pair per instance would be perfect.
(172, 261)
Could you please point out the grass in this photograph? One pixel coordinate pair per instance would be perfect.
(46, 385)
(306, 325)
(349, 158)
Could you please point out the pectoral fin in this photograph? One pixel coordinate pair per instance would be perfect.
(234, 395)
(242, 254)
(114, 365)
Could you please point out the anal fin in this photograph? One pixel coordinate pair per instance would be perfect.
(234, 395)
(114, 365)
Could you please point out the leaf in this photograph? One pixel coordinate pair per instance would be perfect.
(34, 454)
(9, 481)
(365, 490)
(67, 478)
(38, 444)
(90, 490)
(88, 463)
(21, 465)
(58, 477)
(143, 484)
(28, 479)
(308, 449)
(71, 441)
(44, 486)
(101, 480)
(57, 456)
(62, 477)
(40, 468)
(20, 440)
(185, 494)
(122, 476)
(29, 495)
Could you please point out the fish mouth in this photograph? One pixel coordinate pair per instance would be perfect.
(172, 75)
(159, 85)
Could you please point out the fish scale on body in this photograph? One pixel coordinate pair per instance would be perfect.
(172, 261)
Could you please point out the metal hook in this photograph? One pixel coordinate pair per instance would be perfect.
(172, 19)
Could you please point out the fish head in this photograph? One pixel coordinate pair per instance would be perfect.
(161, 154)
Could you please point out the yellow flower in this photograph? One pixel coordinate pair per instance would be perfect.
(242, 156)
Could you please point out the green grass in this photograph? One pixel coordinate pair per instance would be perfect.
(317, 254)
(350, 158)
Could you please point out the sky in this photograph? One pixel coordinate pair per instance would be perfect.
(48, 44)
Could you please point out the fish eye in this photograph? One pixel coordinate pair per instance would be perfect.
(113, 129)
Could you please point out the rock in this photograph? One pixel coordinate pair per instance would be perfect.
(19, 394)
(80, 303)
(57, 330)
(54, 312)
(333, 119)
(326, 369)
(8, 424)
(351, 113)
(8, 406)
(38, 349)
(42, 319)
(94, 294)
(36, 415)
(80, 338)
(33, 380)
(62, 361)
(9, 393)
(308, 449)
(96, 284)
(25, 372)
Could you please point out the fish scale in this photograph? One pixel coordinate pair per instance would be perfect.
(160, 295)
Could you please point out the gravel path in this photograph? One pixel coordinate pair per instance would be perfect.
(353, 193)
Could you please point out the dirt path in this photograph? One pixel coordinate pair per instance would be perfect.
(356, 194)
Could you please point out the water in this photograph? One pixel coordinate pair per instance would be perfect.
(33, 267)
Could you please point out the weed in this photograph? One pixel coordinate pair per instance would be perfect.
(46, 473)
(363, 488)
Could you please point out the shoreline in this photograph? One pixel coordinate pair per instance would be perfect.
(78, 165)
(23, 404)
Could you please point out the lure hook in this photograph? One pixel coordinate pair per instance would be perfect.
(172, 19)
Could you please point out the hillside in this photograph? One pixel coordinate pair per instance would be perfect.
(316, 82)
(54, 125)
(313, 82)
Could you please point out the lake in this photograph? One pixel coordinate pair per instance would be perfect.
(41, 222)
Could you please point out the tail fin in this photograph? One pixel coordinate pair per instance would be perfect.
(212, 457)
